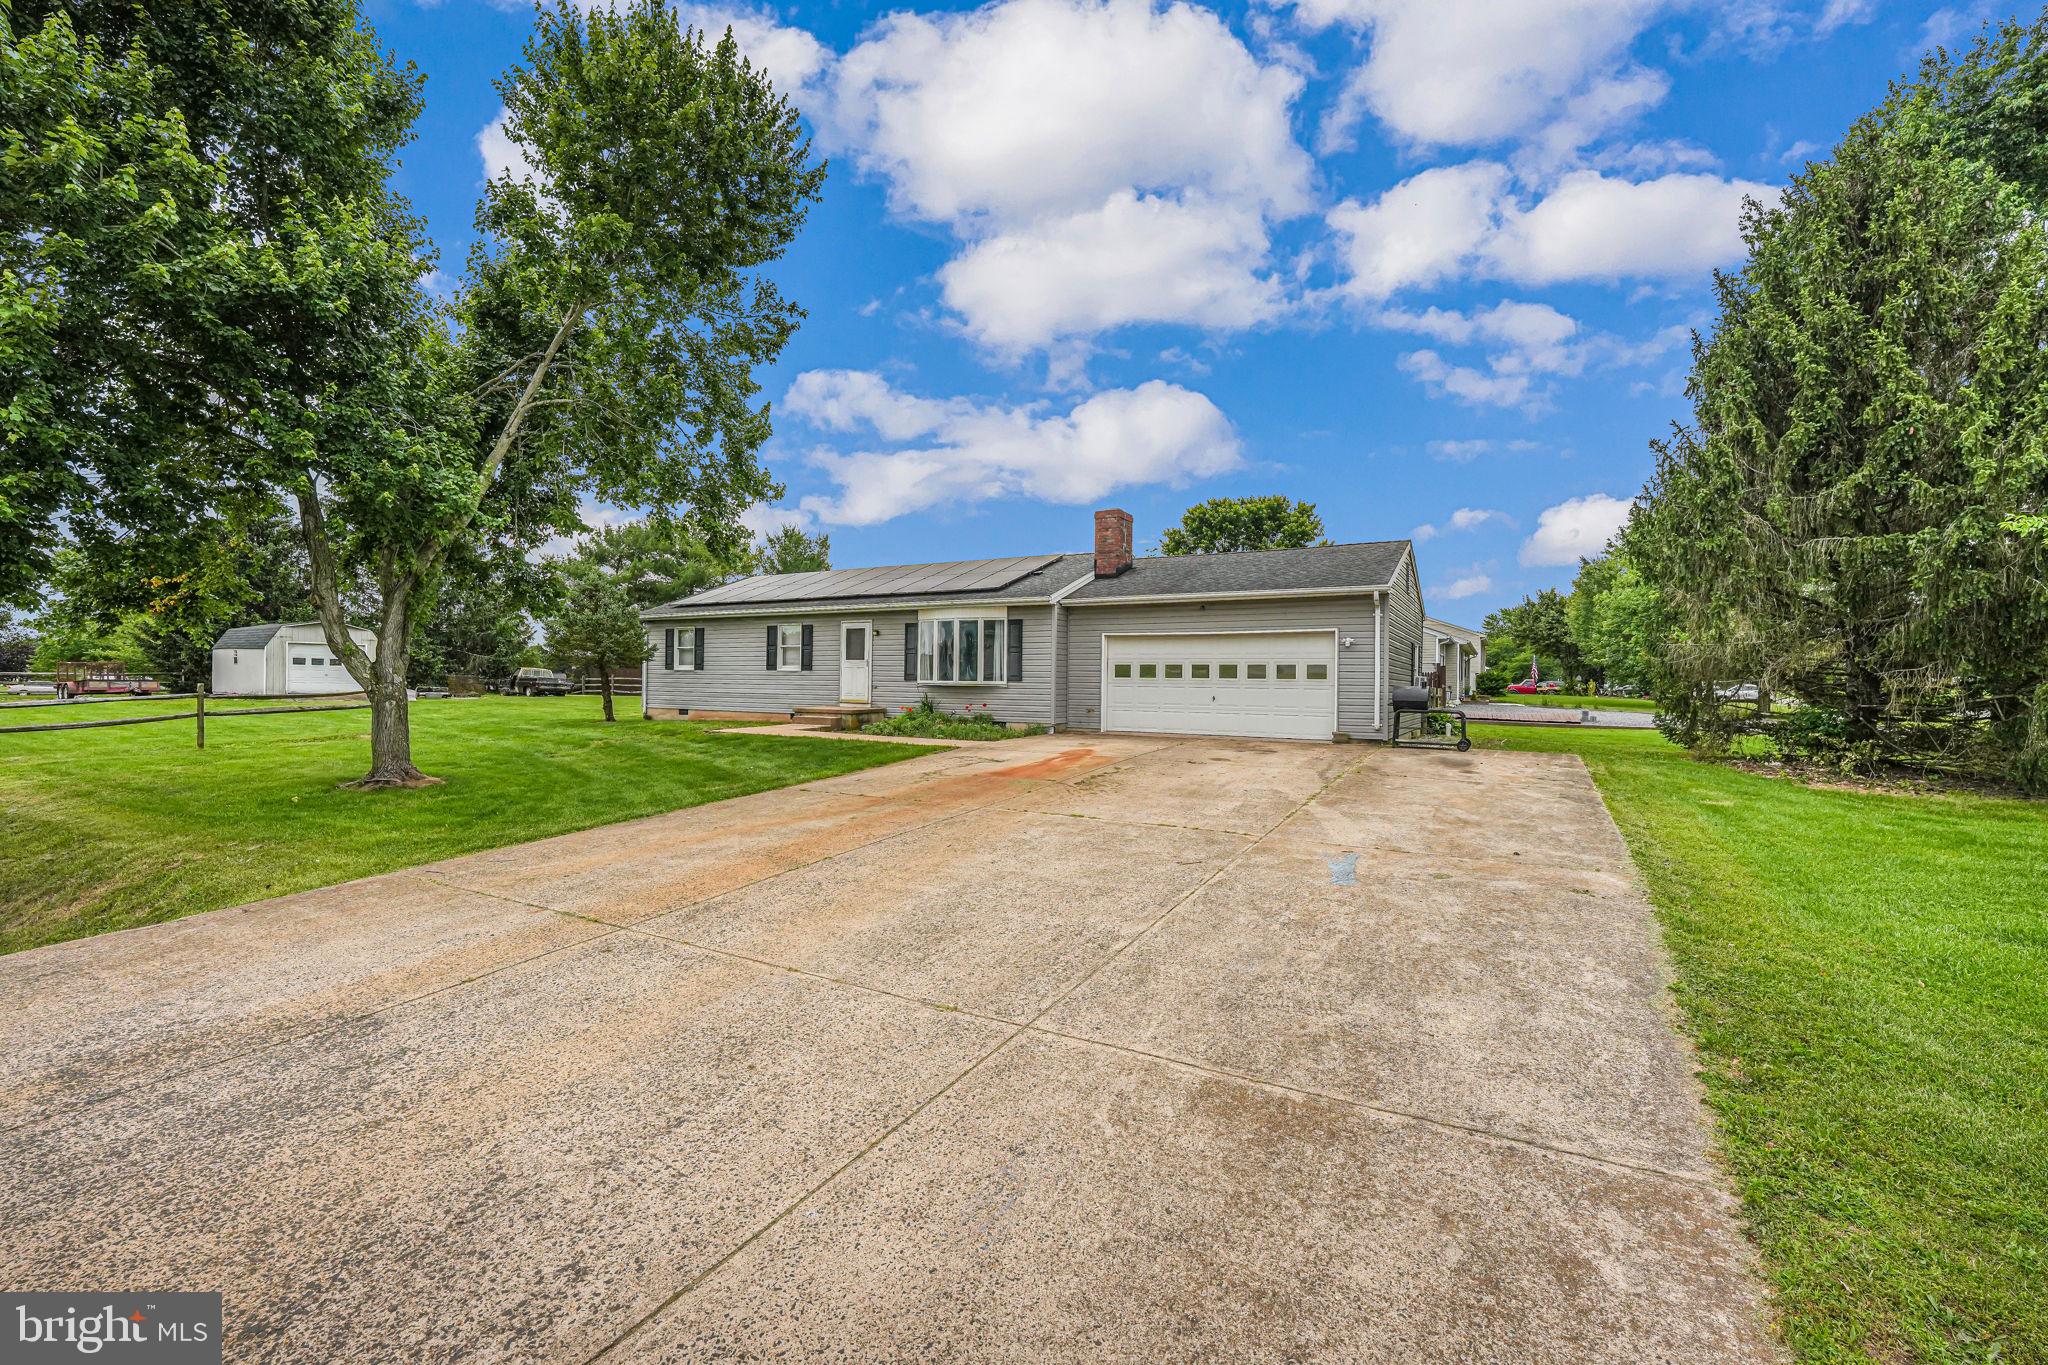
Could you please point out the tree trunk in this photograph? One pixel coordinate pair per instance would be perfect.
(391, 762)
(607, 689)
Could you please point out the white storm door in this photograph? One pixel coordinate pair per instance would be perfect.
(855, 668)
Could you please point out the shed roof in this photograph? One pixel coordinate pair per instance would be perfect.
(262, 633)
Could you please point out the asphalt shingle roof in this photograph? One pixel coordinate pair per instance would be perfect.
(1365, 564)
(248, 637)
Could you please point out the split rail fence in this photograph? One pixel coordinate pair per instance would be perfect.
(197, 715)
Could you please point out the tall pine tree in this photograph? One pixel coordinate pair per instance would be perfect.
(1847, 516)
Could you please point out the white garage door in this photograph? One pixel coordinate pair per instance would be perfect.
(313, 668)
(1271, 685)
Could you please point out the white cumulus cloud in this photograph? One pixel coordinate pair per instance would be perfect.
(1102, 162)
(1464, 519)
(1575, 529)
(1026, 107)
(1468, 585)
(957, 452)
(1134, 259)
(1464, 222)
(1474, 72)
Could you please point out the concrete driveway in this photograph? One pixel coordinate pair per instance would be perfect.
(1065, 1049)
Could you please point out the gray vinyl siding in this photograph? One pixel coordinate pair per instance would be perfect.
(1358, 671)
(734, 677)
(1404, 625)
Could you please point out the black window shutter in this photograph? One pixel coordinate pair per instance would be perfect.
(807, 649)
(668, 648)
(697, 651)
(773, 633)
(910, 651)
(1016, 650)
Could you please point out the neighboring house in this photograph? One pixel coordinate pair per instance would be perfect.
(1462, 652)
(1286, 644)
(280, 659)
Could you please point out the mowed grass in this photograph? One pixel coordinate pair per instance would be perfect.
(1867, 979)
(105, 829)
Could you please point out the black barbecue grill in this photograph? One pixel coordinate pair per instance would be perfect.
(1418, 724)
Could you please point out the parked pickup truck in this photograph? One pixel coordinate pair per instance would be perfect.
(538, 682)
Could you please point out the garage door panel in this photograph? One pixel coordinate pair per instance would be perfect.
(314, 668)
(1243, 694)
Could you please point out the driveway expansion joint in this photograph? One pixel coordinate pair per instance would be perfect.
(974, 1066)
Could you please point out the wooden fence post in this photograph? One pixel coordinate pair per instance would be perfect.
(199, 714)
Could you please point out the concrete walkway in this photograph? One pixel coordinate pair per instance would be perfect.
(1071, 1048)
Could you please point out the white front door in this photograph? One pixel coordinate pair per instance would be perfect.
(1272, 684)
(854, 639)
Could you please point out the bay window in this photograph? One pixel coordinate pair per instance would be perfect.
(961, 649)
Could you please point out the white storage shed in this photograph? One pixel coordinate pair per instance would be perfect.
(283, 659)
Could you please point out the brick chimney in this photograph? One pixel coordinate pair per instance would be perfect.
(1112, 542)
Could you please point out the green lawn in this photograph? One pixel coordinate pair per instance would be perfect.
(1867, 978)
(130, 825)
(1579, 703)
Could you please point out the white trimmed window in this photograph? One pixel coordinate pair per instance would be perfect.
(790, 655)
(953, 648)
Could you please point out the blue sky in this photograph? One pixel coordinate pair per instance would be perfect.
(1429, 264)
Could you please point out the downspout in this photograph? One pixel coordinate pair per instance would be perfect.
(1379, 660)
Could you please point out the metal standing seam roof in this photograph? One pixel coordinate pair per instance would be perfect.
(1025, 577)
(1318, 568)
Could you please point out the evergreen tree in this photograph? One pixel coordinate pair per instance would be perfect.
(1847, 515)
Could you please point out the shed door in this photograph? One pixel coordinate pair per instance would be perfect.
(314, 668)
(1270, 685)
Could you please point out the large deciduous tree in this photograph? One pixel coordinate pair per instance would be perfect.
(270, 331)
(1848, 514)
(1540, 625)
(1223, 526)
(790, 549)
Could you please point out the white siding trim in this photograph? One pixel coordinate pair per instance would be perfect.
(1258, 594)
(866, 606)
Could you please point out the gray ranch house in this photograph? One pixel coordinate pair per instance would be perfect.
(1277, 644)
